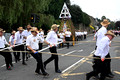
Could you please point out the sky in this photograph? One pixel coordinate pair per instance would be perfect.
(99, 8)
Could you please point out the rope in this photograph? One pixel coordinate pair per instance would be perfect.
(60, 54)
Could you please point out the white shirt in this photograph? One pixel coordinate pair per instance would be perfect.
(52, 38)
(103, 47)
(41, 34)
(68, 34)
(76, 34)
(11, 39)
(79, 34)
(3, 42)
(100, 34)
(19, 37)
(26, 33)
(33, 41)
(61, 35)
(85, 32)
(82, 33)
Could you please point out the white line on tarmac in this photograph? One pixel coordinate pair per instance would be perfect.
(69, 53)
(75, 63)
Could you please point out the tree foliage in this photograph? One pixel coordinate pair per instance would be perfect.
(15, 13)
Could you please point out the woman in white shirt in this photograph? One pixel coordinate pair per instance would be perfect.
(6, 55)
(52, 40)
(68, 36)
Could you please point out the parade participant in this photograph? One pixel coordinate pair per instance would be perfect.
(82, 35)
(41, 34)
(76, 35)
(6, 55)
(61, 36)
(79, 35)
(85, 34)
(18, 41)
(26, 33)
(11, 42)
(100, 34)
(32, 45)
(100, 65)
(52, 40)
(68, 36)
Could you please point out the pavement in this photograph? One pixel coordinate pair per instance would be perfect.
(73, 68)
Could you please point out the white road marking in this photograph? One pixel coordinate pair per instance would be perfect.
(75, 63)
(69, 53)
(72, 65)
(80, 50)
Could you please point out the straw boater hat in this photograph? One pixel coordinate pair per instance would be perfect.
(13, 32)
(1, 30)
(34, 29)
(54, 26)
(105, 22)
(20, 29)
(110, 33)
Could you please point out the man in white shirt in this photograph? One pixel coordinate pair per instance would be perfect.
(101, 64)
(61, 36)
(26, 33)
(76, 35)
(6, 55)
(100, 34)
(32, 45)
(68, 35)
(85, 34)
(19, 36)
(52, 40)
(41, 34)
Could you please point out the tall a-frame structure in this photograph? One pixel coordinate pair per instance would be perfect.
(66, 21)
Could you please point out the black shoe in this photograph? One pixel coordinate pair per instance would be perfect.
(38, 73)
(88, 76)
(110, 76)
(45, 74)
(24, 63)
(58, 71)
(18, 59)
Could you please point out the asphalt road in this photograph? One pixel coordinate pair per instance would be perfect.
(73, 68)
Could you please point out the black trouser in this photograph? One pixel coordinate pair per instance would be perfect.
(8, 58)
(38, 58)
(99, 67)
(109, 63)
(53, 57)
(79, 38)
(84, 36)
(19, 48)
(40, 46)
(67, 39)
(76, 38)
